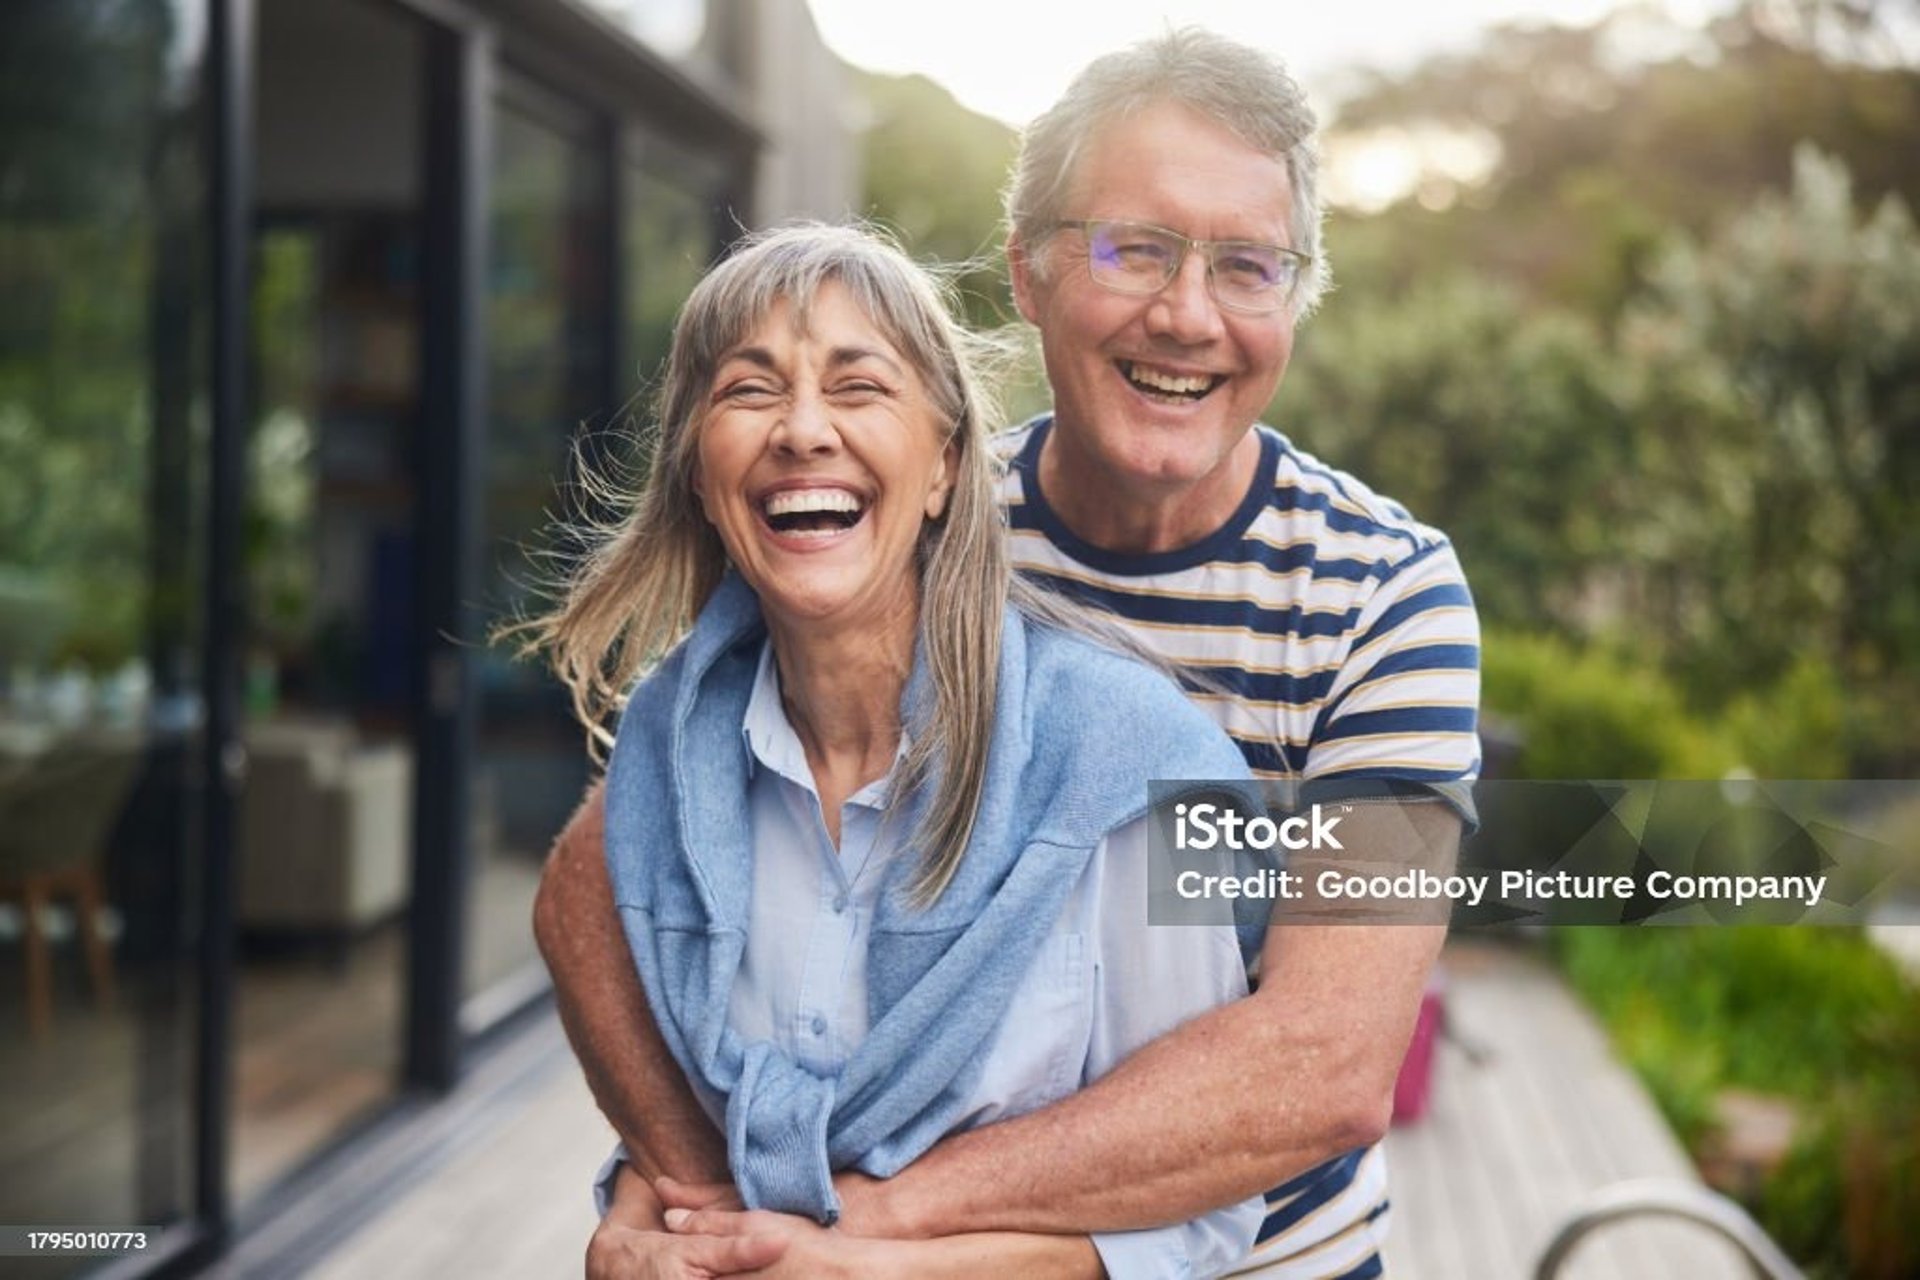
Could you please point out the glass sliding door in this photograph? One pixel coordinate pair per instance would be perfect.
(547, 323)
(104, 427)
(324, 833)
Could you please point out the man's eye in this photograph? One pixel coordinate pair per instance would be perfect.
(1250, 268)
(1145, 251)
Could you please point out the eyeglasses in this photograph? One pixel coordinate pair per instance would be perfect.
(1140, 258)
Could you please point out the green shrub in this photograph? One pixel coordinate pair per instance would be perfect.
(1819, 1016)
(1582, 713)
(1795, 728)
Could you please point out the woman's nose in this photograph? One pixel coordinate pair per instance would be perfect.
(806, 427)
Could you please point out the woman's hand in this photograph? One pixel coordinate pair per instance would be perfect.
(632, 1242)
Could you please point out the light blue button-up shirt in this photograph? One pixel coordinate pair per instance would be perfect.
(1103, 984)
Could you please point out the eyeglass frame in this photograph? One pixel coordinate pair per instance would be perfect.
(1187, 245)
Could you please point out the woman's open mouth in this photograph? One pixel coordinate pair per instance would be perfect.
(815, 513)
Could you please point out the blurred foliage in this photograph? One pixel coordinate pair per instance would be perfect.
(1613, 134)
(1592, 714)
(933, 174)
(1659, 375)
(1818, 1016)
(98, 271)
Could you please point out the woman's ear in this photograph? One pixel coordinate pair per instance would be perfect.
(942, 491)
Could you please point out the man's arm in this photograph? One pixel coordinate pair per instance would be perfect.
(634, 1079)
(1224, 1107)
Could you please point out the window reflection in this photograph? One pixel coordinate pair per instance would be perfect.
(672, 200)
(102, 428)
(323, 839)
(546, 381)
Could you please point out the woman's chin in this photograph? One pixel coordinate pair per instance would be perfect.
(833, 604)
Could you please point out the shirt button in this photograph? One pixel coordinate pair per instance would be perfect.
(840, 905)
(819, 1025)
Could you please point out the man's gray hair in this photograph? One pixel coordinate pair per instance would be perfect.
(1237, 86)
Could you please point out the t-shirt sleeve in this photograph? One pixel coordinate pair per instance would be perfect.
(1405, 705)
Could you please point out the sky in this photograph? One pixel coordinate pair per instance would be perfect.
(1010, 58)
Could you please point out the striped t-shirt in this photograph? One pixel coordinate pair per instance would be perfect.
(1340, 642)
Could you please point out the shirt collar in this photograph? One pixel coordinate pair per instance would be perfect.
(771, 742)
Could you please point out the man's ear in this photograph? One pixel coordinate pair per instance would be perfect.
(1022, 268)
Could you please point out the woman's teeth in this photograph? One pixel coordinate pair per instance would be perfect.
(813, 510)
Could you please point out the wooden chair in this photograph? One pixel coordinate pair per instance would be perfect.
(56, 815)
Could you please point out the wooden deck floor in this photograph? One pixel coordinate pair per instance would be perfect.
(1530, 1112)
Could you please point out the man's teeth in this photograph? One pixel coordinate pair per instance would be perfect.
(798, 502)
(1171, 383)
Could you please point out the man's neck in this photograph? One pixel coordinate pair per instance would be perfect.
(1126, 515)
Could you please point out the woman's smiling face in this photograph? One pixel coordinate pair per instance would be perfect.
(821, 456)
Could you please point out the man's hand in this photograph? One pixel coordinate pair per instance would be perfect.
(809, 1251)
(624, 1253)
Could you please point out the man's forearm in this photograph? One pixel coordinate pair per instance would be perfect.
(967, 1257)
(1226, 1106)
(633, 1077)
(1186, 1125)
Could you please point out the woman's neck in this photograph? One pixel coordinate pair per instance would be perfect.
(841, 691)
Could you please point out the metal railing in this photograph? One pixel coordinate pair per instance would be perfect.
(1655, 1197)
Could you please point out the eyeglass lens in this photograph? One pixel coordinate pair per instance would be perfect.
(1135, 258)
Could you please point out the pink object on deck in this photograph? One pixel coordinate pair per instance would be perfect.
(1414, 1087)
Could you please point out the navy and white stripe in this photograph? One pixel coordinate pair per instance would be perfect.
(1333, 637)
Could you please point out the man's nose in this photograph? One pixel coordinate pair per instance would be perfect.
(807, 427)
(1185, 310)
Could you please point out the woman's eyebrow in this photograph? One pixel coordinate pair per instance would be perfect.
(852, 355)
(759, 357)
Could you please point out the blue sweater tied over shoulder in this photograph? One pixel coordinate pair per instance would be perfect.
(1078, 732)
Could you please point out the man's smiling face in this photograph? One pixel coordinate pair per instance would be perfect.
(1152, 394)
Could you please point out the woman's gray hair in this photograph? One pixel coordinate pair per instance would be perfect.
(646, 576)
(1239, 87)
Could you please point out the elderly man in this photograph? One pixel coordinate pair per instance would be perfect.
(1165, 240)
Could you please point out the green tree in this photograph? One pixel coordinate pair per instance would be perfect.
(933, 173)
(1808, 315)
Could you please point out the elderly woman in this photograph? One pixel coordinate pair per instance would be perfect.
(875, 813)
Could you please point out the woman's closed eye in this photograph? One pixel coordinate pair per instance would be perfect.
(859, 390)
(748, 391)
